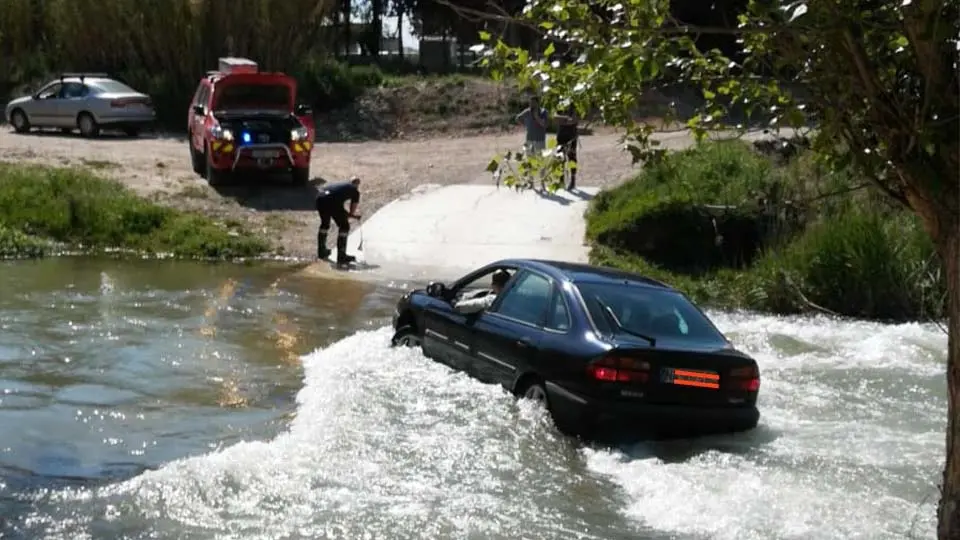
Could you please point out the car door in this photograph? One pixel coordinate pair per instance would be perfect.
(507, 337)
(197, 121)
(443, 335)
(43, 108)
(72, 100)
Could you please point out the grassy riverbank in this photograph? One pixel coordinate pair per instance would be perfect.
(735, 228)
(43, 210)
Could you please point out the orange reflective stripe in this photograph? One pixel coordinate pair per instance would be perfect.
(697, 374)
(698, 384)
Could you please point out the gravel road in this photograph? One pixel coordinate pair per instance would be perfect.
(159, 167)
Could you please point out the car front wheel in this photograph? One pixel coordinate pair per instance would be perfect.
(19, 120)
(406, 336)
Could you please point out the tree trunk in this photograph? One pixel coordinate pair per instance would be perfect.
(400, 33)
(948, 513)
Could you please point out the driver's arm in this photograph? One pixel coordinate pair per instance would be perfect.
(475, 304)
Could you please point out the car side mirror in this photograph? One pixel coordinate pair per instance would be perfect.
(436, 289)
(302, 110)
(199, 110)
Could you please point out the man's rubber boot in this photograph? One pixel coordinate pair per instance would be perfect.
(322, 251)
(342, 257)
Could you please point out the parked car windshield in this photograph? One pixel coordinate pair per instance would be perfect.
(253, 96)
(113, 87)
(657, 313)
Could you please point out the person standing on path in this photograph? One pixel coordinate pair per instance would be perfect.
(568, 138)
(534, 118)
(329, 203)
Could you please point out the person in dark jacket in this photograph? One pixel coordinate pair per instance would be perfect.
(568, 137)
(330, 201)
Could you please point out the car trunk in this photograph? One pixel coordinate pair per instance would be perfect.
(676, 377)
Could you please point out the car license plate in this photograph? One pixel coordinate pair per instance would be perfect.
(690, 377)
(265, 154)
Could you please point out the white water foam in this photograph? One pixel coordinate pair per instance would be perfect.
(853, 413)
(388, 444)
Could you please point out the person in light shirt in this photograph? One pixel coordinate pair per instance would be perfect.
(484, 299)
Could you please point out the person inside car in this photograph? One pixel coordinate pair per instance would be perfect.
(485, 298)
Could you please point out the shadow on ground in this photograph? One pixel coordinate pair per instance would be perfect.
(106, 134)
(269, 192)
(564, 201)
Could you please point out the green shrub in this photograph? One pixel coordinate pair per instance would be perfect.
(866, 264)
(75, 207)
(845, 250)
(328, 84)
(719, 173)
(15, 244)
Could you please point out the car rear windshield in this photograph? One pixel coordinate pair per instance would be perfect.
(113, 87)
(657, 313)
(252, 96)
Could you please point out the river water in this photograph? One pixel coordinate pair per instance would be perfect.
(156, 399)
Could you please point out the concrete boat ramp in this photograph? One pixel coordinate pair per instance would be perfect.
(441, 233)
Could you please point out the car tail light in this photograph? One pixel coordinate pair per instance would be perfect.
(619, 369)
(746, 379)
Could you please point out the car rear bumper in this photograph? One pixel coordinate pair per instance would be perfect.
(632, 419)
(127, 120)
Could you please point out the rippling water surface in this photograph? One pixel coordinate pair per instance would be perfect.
(174, 400)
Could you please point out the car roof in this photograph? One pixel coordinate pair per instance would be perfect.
(585, 273)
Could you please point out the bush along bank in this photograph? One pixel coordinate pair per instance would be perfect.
(736, 228)
(44, 209)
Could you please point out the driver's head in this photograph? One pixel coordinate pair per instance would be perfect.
(499, 279)
(355, 181)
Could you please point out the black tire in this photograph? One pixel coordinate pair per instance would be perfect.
(214, 177)
(19, 121)
(300, 176)
(406, 336)
(87, 125)
(196, 158)
(537, 392)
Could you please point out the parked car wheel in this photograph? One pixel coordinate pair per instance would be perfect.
(87, 125)
(214, 177)
(19, 121)
(406, 336)
(196, 158)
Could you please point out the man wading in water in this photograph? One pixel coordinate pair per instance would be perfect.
(330, 200)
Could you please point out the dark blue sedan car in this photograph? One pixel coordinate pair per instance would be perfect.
(608, 353)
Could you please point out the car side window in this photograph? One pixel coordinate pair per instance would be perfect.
(527, 300)
(50, 92)
(73, 90)
(203, 92)
(558, 318)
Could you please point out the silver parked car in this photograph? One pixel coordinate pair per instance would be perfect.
(84, 101)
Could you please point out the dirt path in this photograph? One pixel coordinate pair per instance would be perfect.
(159, 168)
